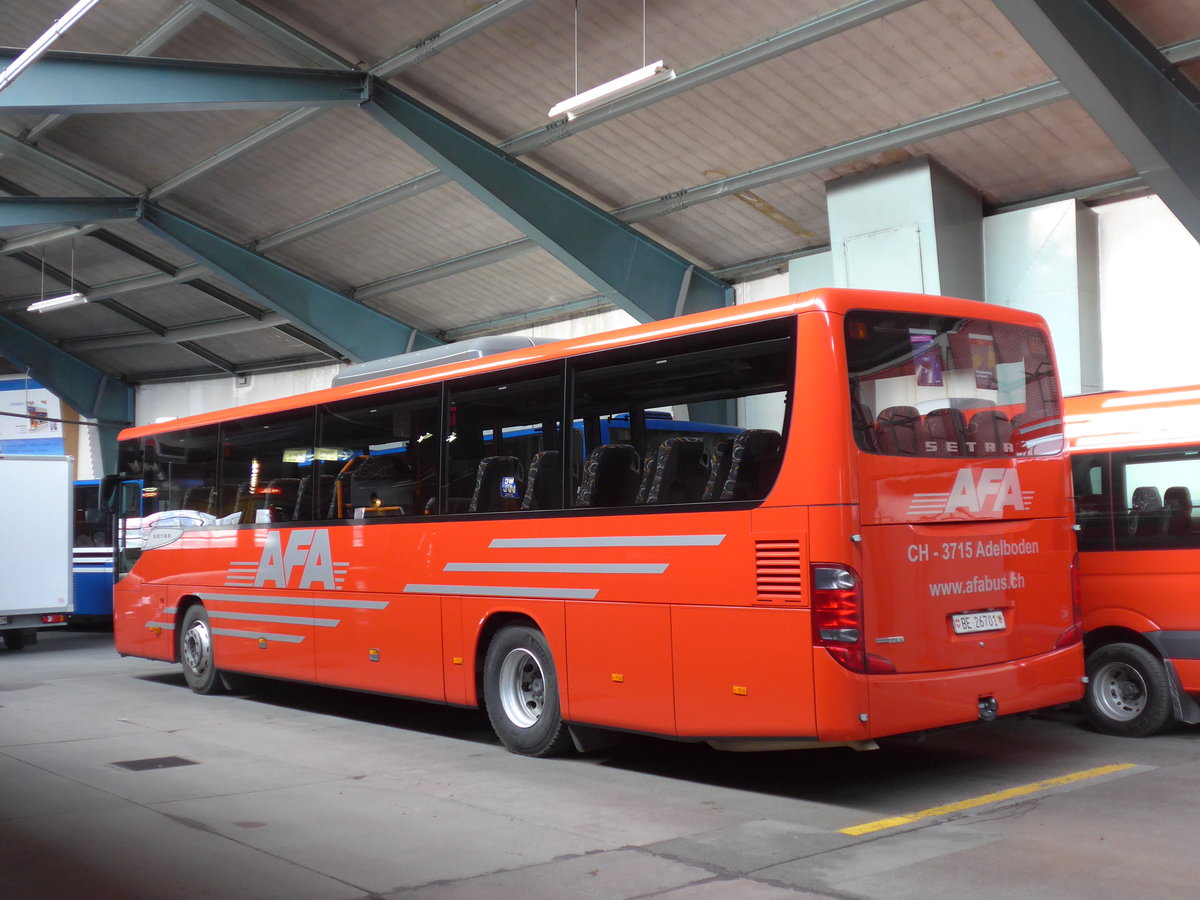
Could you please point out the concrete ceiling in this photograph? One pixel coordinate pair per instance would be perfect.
(724, 168)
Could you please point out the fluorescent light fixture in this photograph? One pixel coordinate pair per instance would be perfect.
(73, 299)
(38, 47)
(613, 90)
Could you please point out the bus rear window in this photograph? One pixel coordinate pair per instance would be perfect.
(942, 386)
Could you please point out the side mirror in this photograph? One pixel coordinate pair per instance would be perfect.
(108, 492)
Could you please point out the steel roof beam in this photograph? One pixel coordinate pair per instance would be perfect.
(800, 36)
(199, 332)
(1148, 109)
(207, 355)
(297, 289)
(356, 331)
(267, 365)
(417, 53)
(88, 390)
(837, 154)
(94, 83)
(643, 277)
(21, 211)
(170, 27)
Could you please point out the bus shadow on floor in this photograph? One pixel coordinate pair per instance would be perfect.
(375, 709)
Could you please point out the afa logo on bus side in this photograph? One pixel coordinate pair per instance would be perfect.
(307, 552)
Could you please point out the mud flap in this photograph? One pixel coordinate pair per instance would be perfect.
(1187, 710)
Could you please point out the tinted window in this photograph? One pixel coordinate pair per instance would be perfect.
(264, 460)
(939, 386)
(1153, 495)
(377, 457)
(698, 419)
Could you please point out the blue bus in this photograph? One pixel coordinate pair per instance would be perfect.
(92, 557)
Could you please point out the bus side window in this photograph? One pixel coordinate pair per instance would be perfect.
(1157, 486)
(1093, 506)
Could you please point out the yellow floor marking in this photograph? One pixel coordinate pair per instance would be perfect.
(1023, 790)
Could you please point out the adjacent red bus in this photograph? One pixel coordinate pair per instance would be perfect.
(1136, 466)
(816, 520)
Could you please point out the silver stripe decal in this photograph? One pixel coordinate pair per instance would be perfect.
(562, 568)
(487, 590)
(282, 620)
(83, 570)
(170, 611)
(165, 626)
(298, 601)
(635, 540)
(256, 636)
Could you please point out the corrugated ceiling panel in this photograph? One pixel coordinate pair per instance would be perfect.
(332, 159)
(797, 103)
(510, 75)
(147, 149)
(1045, 151)
(131, 363)
(175, 305)
(248, 346)
(531, 281)
(370, 30)
(437, 225)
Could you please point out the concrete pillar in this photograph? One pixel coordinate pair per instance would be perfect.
(912, 226)
(1046, 259)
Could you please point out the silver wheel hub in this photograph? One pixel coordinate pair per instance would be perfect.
(522, 688)
(1120, 691)
(196, 648)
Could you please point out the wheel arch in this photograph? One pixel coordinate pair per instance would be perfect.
(1116, 634)
(488, 630)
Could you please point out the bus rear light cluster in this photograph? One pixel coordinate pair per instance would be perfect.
(837, 619)
(54, 619)
(1074, 634)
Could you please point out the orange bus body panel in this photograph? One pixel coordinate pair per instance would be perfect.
(690, 624)
(1151, 591)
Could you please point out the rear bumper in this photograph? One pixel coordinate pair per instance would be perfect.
(906, 703)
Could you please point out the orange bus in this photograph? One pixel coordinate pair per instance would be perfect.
(1136, 466)
(815, 520)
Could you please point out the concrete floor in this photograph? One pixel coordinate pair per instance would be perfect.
(296, 792)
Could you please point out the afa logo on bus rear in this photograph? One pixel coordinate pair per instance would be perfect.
(979, 491)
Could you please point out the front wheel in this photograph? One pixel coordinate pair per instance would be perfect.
(1127, 694)
(196, 652)
(520, 689)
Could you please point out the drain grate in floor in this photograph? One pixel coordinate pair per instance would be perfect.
(158, 762)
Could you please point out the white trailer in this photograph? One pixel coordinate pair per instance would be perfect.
(36, 531)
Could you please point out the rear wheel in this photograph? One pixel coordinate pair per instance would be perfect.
(14, 640)
(1128, 693)
(196, 652)
(520, 688)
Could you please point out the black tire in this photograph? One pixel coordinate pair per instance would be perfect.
(520, 689)
(14, 639)
(196, 652)
(1128, 693)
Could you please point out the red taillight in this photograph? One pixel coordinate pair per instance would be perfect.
(1074, 634)
(54, 619)
(837, 619)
